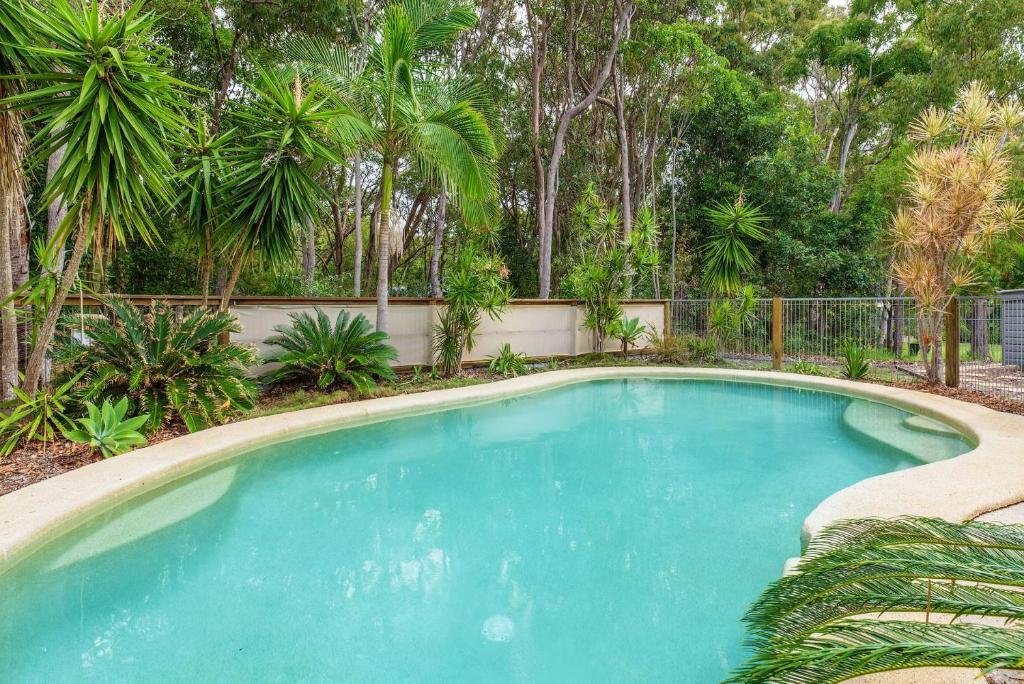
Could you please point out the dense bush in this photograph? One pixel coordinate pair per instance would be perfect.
(508, 362)
(166, 368)
(314, 351)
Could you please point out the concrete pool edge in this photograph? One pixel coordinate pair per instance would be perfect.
(960, 488)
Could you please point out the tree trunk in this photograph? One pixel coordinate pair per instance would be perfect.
(357, 223)
(844, 156)
(384, 246)
(232, 281)
(56, 212)
(625, 192)
(979, 331)
(34, 367)
(435, 256)
(207, 266)
(9, 330)
(308, 255)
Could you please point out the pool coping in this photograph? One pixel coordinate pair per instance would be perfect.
(961, 488)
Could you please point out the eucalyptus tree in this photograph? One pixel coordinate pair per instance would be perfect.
(106, 96)
(421, 119)
(291, 133)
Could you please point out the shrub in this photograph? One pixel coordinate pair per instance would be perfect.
(312, 350)
(855, 363)
(40, 416)
(821, 623)
(165, 368)
(668, 348)
(107, 429)
(701, 349)
(508, 362)
(806, 368)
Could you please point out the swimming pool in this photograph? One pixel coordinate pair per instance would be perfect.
(602, 531)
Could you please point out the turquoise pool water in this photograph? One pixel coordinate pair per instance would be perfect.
(605, 531)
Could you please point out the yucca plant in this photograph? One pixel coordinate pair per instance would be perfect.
(107, 428)
(955, 206)
(831, 621)
(165, 368)
(508, 362)
(855, 362)
(103, 92)
(726, 254)
(312, 350)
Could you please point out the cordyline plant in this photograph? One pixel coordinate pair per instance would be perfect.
(955, 206)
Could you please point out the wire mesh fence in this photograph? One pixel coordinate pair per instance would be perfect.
(816, 330)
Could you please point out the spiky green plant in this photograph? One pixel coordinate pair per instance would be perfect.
(106, 428)
(312, 350)
(832, 619)
(39, 416)
(508, 362)
(164, 367)
(628, 331)
(726, 254)
(855, 362)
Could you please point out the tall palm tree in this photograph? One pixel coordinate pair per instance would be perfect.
(106, 96)
(422, 119)
(290, 133)
(14, 36)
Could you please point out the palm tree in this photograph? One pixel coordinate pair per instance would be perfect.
(821, 624)
(438, 126)
(291, 133)
(107, 96)
(14, 36)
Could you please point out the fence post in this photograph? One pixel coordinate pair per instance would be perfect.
(952, 357)
(666, 328)
(777, 333)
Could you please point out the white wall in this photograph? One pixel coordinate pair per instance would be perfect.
(535, 329)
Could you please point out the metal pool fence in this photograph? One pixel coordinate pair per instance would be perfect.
(990, 351)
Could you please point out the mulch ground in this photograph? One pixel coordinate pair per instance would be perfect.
(31, 464)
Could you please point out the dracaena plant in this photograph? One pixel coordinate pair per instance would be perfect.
(166, 368)
(874, 595)
(313, 350)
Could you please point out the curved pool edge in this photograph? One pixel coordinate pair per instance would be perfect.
(959, 488)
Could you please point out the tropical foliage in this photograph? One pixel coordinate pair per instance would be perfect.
(730, 318)
(108, 429)
(40, 416)
(166, 368)
(629, 332)
(312, 350)
(508, 362)
(475, 285)
(855, 362)
(726, 254)
(927, 579)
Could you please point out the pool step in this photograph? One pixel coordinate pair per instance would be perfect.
(923, 438)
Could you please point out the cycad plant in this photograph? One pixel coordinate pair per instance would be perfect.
(875, 595)
(955, 206)
(726, 254)
(438, 126)
(103, 93)
(313, 350)
(164, 367)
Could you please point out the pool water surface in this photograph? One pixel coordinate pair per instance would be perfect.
(604, 531)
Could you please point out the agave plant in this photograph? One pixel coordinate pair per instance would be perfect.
(312, 350)
(875, 595)
(107, 429)
(164, 367)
